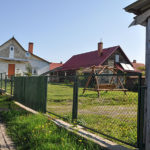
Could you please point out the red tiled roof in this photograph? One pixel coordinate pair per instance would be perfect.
(119, 67)
(55, 65)
(137, 65)
(88, 59)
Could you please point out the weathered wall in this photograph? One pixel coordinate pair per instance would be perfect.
(18, 52)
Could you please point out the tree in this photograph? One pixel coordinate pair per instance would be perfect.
(29, 70)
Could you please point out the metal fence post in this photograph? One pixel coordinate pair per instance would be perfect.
(75, 100)
(11, 88)
(140, 120)
(1, 80)
(46, 87)
(5, 83)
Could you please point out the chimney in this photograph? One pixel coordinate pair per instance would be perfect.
(100, 48)
(134, 61)
(30, 48)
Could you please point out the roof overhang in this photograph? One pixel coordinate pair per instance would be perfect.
(138, 7)
(14, 60)
(141, 9)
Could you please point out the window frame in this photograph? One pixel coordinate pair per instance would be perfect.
(117, 58)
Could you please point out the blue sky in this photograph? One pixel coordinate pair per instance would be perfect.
(62, 28)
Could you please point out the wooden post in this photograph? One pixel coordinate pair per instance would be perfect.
(147, 100)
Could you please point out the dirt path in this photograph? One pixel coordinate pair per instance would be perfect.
(5, 142)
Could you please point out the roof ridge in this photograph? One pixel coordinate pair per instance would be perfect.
(55, 63)
(96, 50)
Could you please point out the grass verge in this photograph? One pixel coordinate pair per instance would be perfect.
(37, 132)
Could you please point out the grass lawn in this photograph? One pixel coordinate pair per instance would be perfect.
(114, 113)
(36, 132)
(8, 85)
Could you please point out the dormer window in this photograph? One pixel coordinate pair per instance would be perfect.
(11, 52)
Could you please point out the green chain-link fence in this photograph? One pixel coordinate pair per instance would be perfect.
(6, 83)
(110, 105)
(60, 96)
(107, 104)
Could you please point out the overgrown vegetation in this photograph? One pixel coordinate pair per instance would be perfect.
(36, 132)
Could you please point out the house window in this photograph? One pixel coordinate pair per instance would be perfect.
(34, 71)
(11, 52)
(116, 58)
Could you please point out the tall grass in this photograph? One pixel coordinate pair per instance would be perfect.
(36, 132)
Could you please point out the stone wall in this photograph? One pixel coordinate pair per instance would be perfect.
(122, 58)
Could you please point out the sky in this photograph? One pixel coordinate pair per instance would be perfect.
(62, 28)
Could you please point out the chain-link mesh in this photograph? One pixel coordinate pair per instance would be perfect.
(6, 83)
(60, 96)
(9, 84)
(2, 81)
(108, 104)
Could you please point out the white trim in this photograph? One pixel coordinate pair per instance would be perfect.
(11, 51)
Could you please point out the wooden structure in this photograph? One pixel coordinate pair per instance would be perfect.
(141, 9)
(111, 86)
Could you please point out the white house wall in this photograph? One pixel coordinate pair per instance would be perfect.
(40, 66)
(21, 67)
(3, 67)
